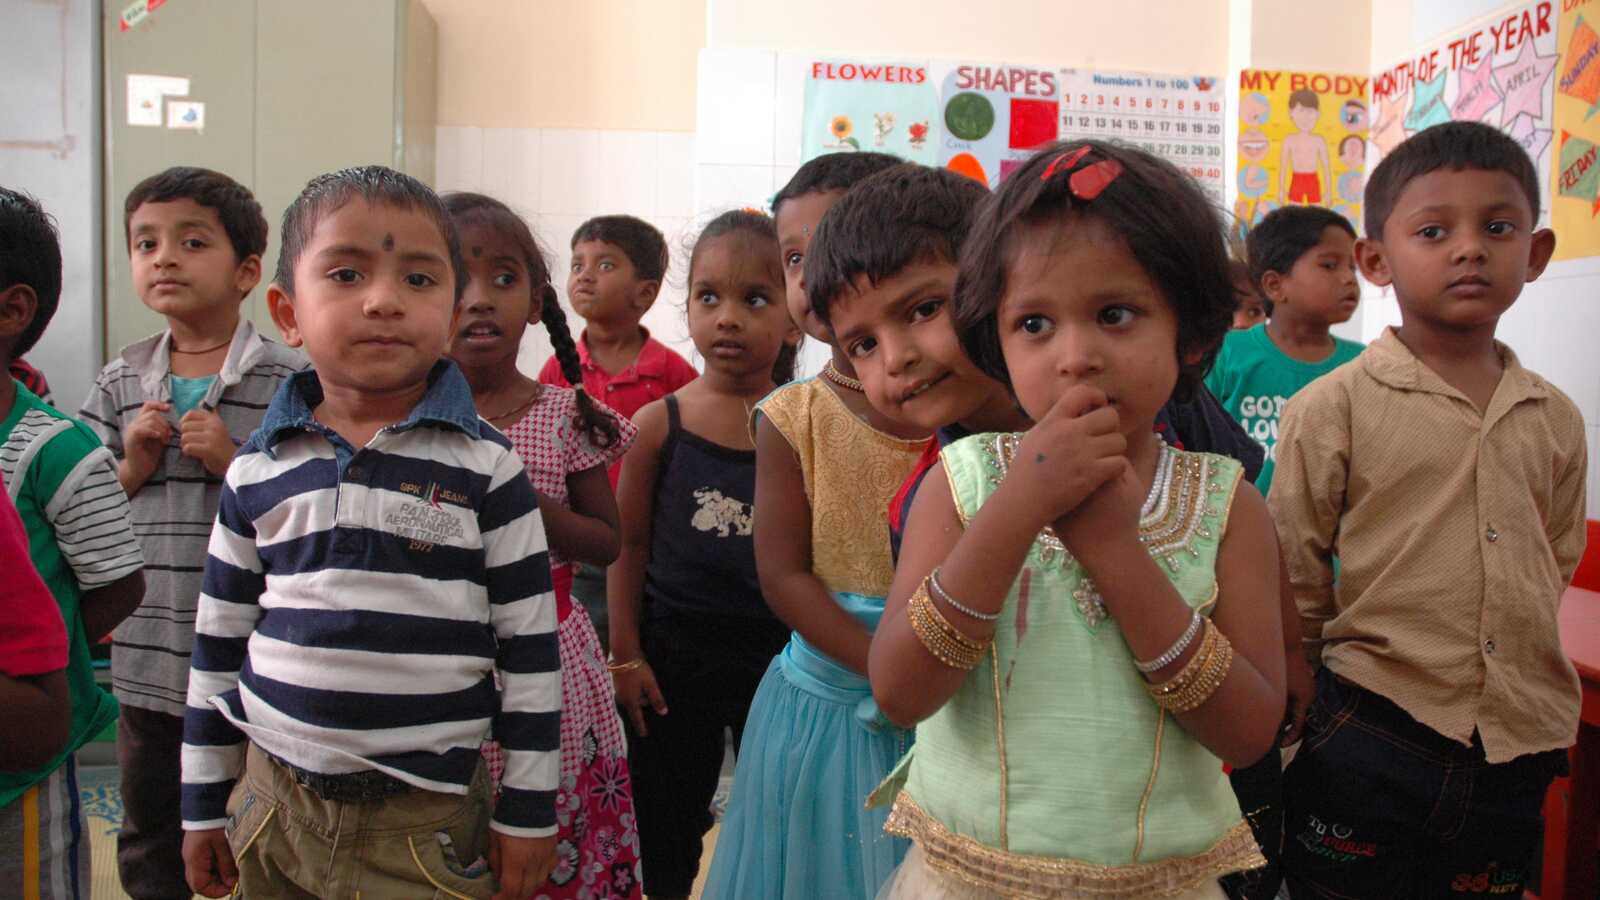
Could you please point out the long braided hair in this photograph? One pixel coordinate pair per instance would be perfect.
(477, 209)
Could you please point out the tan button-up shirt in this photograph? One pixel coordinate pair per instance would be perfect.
(1456, 533)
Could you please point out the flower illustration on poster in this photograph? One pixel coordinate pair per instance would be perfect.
(859, 104)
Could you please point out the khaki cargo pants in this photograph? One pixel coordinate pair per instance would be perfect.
(290, 843)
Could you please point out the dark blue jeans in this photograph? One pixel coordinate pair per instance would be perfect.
(1379, 805)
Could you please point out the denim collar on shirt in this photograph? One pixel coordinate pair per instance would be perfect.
(447, 404)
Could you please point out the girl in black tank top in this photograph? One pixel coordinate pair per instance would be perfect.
(691, 635)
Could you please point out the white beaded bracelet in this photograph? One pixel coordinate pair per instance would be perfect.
(938, 591)
(1173, 652)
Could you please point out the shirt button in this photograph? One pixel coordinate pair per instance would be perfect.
(1492, 535)
(1488, 646)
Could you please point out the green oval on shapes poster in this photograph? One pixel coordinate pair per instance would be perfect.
(994, 116)
(886, 107)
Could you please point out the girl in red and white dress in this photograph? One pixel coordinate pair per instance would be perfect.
(566, 440)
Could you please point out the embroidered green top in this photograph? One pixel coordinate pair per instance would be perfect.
(1051, 770)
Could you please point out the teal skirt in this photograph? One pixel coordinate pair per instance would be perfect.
(815, 745)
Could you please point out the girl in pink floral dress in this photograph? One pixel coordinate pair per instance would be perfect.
(566, 439)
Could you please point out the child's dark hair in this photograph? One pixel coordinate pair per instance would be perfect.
(30, 254)
(235, 206)
(1171, 229)
(1284, 235)
(640, 241)
(900, 216)
(1305, 98)
(468, 210)
(1455, 146)
(377, 185)
(757, 225)
(833, 172)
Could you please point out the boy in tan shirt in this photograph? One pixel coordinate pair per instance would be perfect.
(1449, 482)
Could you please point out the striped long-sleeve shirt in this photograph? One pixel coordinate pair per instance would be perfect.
(358, 603)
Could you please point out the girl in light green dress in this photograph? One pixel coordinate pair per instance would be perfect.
(1084, 624)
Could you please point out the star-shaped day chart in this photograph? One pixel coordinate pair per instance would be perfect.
(1524, 80)
(1388, 131)
(1477, 93)
(1428, 109)
(1533, 139)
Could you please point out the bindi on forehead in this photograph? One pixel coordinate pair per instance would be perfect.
(388, 242)
(477, 252)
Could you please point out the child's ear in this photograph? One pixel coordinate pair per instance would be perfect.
(540, 297)
(1374, 261)
(247, 275)
(1544, 246)
(645, 296)
(281, 307)
(1272, 286)
(18, 304)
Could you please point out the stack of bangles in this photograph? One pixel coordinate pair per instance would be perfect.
(617, 668)
(1201, 675)
(947, 643)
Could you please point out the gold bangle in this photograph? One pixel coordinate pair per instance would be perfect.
(941, 639)
(616, 668)
(1201, 678)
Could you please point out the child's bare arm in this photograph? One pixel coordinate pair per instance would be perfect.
(208, 863)
(588, 532)
(783, 556)
(625, 579)
(36, 721)
(105, 607)
(1239, 722)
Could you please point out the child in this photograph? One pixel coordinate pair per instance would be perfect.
(827, 464)
(1449, 481)
(172, 408)
(689, 628)
(566, 440)
(33, 660)
(618, 263)
(1301, 259)
(64, 486)
(1305, 153)
(1086, 553)
(1249, 308)
(378, 561)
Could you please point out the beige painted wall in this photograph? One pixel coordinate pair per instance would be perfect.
(1172, 35)
(1312, 37)
(598, 64)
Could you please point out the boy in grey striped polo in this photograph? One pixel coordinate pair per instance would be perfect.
(173, 408)
(377, 595)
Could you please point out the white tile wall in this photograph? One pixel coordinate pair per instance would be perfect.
(556, 178)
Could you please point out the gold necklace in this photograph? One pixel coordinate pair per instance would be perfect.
(537, 390)
(841, 379)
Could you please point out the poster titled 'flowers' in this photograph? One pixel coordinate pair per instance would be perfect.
(887, 107)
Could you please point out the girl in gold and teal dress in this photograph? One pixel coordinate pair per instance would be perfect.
(1084, 624)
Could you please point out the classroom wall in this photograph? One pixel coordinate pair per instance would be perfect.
(50, 148)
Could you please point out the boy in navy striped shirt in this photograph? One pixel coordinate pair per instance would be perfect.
(378, 560)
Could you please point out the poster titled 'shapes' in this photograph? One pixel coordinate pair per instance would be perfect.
(1502, 73)
(1575, 194)
(887, 107)
(1302, 140)
(1176, 117)
(994, 116)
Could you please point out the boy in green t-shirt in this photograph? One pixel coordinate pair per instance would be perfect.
(65, 488)
(1302, 261)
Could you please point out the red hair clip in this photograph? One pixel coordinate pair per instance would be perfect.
(1087, 182)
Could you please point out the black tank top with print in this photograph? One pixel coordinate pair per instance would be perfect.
(702, 555)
